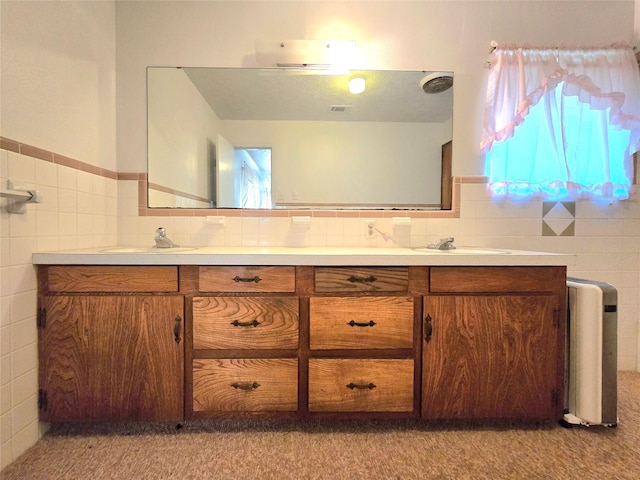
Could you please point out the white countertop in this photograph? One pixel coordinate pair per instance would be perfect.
(319, 256)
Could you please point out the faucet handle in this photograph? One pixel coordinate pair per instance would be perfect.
(161, 231)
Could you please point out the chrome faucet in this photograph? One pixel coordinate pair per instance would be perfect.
(162, 241)
(443, 244)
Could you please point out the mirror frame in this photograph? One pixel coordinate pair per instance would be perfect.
(145, 211)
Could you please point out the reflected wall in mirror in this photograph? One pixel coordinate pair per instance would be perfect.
(281, 138)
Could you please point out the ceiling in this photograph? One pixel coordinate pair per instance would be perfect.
(286, 94)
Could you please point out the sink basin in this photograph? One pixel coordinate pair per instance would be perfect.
(147, 250)
(464, 251)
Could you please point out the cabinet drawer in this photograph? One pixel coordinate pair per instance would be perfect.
(84, 279)
(361, 322)
(496, 279)
(360, 385)
(247, 279)
(245, 322)
(367, 279)
(245, 385)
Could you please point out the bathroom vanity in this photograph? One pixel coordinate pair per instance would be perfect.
(346, 333)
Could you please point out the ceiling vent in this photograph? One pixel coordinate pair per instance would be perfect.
(339, 108)
(436, 82)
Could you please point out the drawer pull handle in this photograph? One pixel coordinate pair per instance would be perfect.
(238, 323)
(176, 329)
(369, 279)
(361, 386)
(239, 279)
(245, 385)
(428, 329)
(353, 323)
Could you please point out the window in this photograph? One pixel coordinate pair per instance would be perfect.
(562, 124)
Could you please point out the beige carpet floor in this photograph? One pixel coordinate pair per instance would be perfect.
(341, 450)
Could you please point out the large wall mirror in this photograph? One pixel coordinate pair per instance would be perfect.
(296, 139)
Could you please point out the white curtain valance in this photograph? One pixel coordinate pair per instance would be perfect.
(562, 123)
(604, 78)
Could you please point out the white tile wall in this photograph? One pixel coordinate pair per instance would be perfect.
(84, 210)
(78, 209)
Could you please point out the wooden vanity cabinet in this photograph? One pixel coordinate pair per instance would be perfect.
(493, 343)
(439, 342)
(110, 343)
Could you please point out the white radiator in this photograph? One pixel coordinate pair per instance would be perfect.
(591, 366)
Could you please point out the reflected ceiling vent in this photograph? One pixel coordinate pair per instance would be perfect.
(339, 108)
(436, 82)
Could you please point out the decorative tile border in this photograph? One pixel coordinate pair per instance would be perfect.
(47, 156)
(145, 211)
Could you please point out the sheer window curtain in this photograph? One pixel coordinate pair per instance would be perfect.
(562, 123)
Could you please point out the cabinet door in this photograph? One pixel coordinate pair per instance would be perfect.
(111, 358)
(489, 357)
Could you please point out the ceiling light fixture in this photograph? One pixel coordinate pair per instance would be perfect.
(356, 85)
